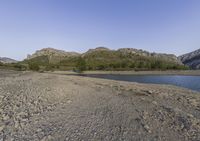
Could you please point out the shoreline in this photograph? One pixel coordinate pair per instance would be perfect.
(169, 72)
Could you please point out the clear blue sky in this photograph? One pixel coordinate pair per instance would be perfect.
(168, 26)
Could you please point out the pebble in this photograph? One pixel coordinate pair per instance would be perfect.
(69, 101)
(47, 138)
(145, 115)
(154, 102)
(1, 97)
(150, 92)
(2, 127)
(190, 115)
(147, 128)
(5, 117)
(16, 124)
(39, 130)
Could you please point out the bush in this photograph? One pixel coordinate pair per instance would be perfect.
(20, 67)
(132, 65)
(49, 68)
(101, 67)
(1, 64)
(34, 66)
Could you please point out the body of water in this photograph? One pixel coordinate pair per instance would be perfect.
(190, 82)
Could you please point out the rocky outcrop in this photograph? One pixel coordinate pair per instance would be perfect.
(191, 59)
(126, 51)
(7, 60)
(52, 52)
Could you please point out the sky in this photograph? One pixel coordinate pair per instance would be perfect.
(163, 26)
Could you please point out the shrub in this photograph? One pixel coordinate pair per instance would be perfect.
(34, 66)
(20, 67)
(49, 68)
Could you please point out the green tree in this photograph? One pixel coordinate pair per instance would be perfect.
(81, 64)
(132, 65)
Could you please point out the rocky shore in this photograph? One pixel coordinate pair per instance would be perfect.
(53, 107)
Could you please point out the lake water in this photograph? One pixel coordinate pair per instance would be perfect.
(190, 82)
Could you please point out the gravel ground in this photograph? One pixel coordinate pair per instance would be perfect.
(51, 107)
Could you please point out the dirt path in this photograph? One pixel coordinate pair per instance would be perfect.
(35, 106)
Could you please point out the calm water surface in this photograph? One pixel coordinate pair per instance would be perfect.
(190, 82)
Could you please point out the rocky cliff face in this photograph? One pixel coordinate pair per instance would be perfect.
(7, 60)
(51, 52)
(191, 59)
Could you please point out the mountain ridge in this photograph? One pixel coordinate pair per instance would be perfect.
(62, 53)
(103, 58)
(49, 51)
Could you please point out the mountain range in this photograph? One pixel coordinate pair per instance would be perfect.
(105, 58)
(102, 58)
(52, 53)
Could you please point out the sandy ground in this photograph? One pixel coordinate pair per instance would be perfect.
(52, 107)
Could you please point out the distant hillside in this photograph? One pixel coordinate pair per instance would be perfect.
(129, 58)
(191, 59)
(102, 58)
(5, 60)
